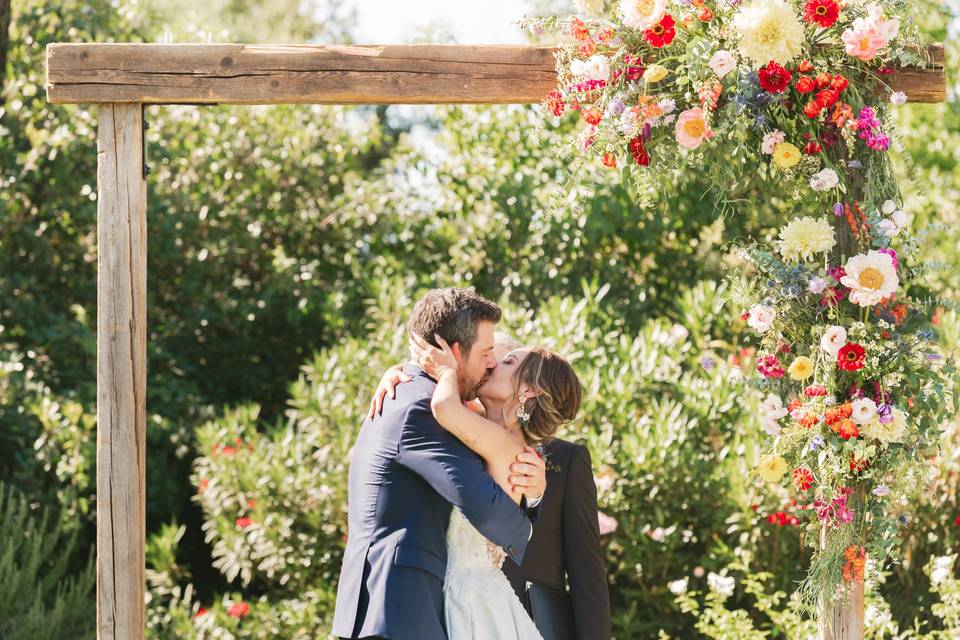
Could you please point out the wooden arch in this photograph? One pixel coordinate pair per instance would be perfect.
(121, 79)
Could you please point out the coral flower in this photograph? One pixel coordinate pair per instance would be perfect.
(846, 429)
(806, 84)
(238, 610)
(802, 479)
(243, 522)
(692, 129)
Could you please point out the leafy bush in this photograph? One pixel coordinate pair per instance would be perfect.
(42, 593)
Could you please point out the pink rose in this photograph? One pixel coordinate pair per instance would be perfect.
(691, 128)
(608, 524)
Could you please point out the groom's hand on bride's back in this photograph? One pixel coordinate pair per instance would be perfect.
(529, 474)
(388, 386)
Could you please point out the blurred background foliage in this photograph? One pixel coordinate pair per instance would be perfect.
(286, 247)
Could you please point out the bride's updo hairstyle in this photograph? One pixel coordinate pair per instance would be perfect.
(559, 399)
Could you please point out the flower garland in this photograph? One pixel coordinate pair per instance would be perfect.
(790, 91)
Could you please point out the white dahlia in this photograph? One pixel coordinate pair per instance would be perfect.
(887, 432)
(864, 410)
(761, 317)
(769, 30)
(642, 14)
(803, 237)
(871, 278)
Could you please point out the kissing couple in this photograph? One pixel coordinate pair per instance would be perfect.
(445, 484)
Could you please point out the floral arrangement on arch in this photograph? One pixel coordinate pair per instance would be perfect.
(796, 93)
(856, 385)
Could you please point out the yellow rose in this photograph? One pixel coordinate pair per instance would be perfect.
(654, 73)
(785, 155)
(771, 468)
(801, 368)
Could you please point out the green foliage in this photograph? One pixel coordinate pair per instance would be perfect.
(42, 593)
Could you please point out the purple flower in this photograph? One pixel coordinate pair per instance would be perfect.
(885, 411)
(616, 107)
(815, 443)
(708, 363)
(838, 209)
(881, 490)
(933, 357)
(817, 285)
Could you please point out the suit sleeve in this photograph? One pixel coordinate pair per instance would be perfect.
(457, 474)
(583, 556)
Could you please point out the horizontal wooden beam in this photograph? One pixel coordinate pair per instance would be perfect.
(336, 74)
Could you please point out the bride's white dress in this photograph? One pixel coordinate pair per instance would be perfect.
(479, 603)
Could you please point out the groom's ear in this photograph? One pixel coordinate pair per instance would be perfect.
(455, 347)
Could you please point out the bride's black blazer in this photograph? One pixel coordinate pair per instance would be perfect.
(565, 547)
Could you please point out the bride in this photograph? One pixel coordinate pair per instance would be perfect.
(528, 395)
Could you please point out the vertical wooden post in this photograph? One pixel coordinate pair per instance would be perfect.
(121, 372)
(844, 621)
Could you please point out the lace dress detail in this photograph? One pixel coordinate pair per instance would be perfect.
(479, 602)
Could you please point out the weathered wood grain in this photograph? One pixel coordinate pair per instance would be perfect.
(121, 373)
(335, 74)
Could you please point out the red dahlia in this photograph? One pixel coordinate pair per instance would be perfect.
(821, 12)
(851, 357)
(661, 34)
(774, 78)
(640, 155)
(805, 66)
(802, 479)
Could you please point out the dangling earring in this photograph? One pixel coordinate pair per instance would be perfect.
(522, 416)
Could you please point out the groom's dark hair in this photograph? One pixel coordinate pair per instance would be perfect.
(452, 314)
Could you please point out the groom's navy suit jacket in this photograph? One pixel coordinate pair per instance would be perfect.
(405, 474)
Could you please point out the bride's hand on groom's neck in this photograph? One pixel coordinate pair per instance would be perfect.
(434, 361)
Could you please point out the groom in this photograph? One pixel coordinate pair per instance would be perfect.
(405, 474)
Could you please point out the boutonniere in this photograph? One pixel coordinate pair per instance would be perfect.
(548, 464)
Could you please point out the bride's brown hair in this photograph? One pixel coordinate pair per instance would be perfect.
(558, 400)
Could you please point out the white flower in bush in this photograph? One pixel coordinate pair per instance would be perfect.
(833, 340)
(825, 180)
(722, 62)
(642, 14)
(771, 140)
(769, 30)
(887, 432)
(864, 410)
(761, 317)
(898, 98)
(802, 238)
(896, 223)
(870, 277)
(771, 411)
(597, 68)
(678, 587)
(721, 585)
(942, 569)
(608, 524)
